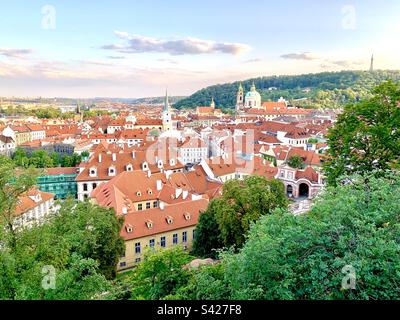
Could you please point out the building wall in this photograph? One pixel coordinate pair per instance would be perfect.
(60, 185)
(22, 137)
(131, 259)
(35, 215)
(193, 155)
(83, 194)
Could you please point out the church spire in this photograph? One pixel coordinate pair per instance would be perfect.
(212, 105)
(371, 68)
(166, 101)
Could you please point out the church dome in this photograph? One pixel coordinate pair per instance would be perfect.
(253, 94)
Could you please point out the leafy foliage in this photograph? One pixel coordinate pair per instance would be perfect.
(320, 90)
(296, 162)
(242, 203)
(366, 136)
(44, 159)
(301, 257)
(81, 243)
(160, 273)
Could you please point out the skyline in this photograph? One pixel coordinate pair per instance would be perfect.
(131, 50)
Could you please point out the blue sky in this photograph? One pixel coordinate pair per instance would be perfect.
(137, 48)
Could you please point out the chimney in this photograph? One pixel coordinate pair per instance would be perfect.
(100, 158)
(159, 185)
(114, 157)
(185, 193)
(133, 154)
(148, 174)
(162, 205)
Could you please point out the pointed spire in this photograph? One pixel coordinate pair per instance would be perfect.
(253, 87)
(166, 102)
(240, 86)
(371, 68)
(212, 105)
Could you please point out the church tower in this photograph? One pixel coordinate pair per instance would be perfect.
(166, 115)
(239, 99)
(371, 68)
(212, 104)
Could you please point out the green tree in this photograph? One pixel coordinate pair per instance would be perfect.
(12, 186)
(366, 136)
(243, 203)
(354, 226)
(81, 244)
(296, 162)
(20, 158)
(207, 235)
(160, 273)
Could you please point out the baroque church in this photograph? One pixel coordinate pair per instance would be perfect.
(252, 99)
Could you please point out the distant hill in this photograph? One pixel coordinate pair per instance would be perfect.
(156, 100)
(319, 90)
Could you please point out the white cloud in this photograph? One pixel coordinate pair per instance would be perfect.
(299, 56)
(190, 46)
(15, 53)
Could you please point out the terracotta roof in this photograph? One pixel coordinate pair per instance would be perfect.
(309, 173)
(26, 203)
(59, 171)
(181, 215)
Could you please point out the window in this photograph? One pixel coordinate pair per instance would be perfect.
(94, 186)
(85, 187)
(175, 238)
(184, 236)
(148, 205)
(137, 247)
(155, 204)
(151, 243)
(140, 206)
(122, 264)
(193, 233)
(162, 242)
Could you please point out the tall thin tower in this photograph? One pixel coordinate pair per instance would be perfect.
(371, 68)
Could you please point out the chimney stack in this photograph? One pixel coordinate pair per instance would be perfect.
(100, 158)
(162, 205)
(133, 154)
(114, 157)
(159, 185)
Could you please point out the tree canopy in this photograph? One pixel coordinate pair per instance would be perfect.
(366, 136)
(320, 90)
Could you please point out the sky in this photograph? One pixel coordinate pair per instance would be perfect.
(136, 48)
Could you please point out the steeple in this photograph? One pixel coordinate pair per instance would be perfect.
(371, 68)
(166, 102)
(253, 87)
(212, 105)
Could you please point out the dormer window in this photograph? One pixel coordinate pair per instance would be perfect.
(138, 193)
(169, 219)
(150, 192)
(149, 224)
(187, 216)
(129, 228)
(112, 171)
(160, 164)
(129, 167)
(145, 166)
(172, 162)
(93, 172)
(124, 210)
